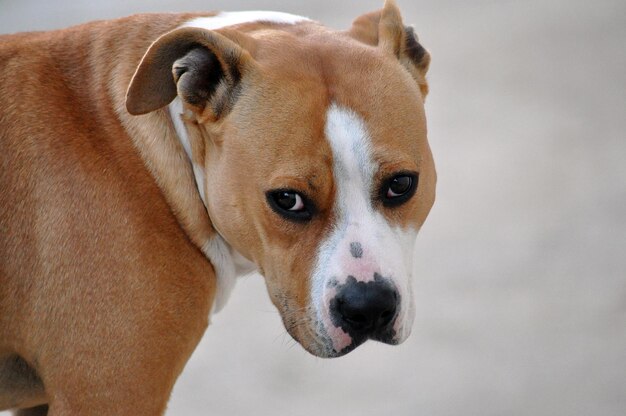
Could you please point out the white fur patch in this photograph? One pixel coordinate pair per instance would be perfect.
(386, 250)
(176, 111)
(225, 19)
(216, 249)
(228, 264)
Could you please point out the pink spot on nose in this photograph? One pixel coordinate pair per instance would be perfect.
(361, 268)
(340, 338)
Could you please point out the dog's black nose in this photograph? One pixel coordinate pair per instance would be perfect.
(364, 308)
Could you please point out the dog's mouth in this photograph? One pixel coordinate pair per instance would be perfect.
(323, 346)
(387, 337)
(332, 342)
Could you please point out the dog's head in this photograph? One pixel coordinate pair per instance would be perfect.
(314, 160)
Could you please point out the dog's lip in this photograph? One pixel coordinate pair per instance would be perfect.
(351, 347)
(322, 348)
(321, 345)
(387, 337)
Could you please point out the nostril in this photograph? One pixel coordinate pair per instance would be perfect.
(351, 313)
(357, 321)
(386, 317)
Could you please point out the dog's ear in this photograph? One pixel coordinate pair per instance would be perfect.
(204, 68)
(384, 28)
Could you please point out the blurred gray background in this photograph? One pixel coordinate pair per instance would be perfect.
(521, 270)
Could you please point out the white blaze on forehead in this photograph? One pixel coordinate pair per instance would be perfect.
(353, 170)
(225, 19)
(386, 249)
(353, 167)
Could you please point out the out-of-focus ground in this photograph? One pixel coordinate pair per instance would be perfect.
(521, 269)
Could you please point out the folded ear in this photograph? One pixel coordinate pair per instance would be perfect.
(202, 67)
(384, 28)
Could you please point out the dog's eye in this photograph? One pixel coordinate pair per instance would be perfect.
(289, 204)
(399, 188)
(289, 201)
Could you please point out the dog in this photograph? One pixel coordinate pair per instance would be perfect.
(148, 161)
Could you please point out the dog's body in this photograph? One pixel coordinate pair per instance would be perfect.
(108, 245)
(78, 204)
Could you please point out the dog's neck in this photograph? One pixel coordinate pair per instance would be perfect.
(162, 140)
(226, 261)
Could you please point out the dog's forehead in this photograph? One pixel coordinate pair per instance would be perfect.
(358, 77)
(382, 93)
(305, 68)
(302, 77)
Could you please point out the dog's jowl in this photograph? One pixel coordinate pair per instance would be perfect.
(148, 161)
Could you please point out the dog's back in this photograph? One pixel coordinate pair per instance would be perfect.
(72, 182)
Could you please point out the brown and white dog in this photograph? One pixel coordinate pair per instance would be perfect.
(148, 161)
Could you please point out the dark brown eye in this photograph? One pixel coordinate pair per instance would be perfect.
(289, 201)
(289, 204)
(399, 185)
(399, 188)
